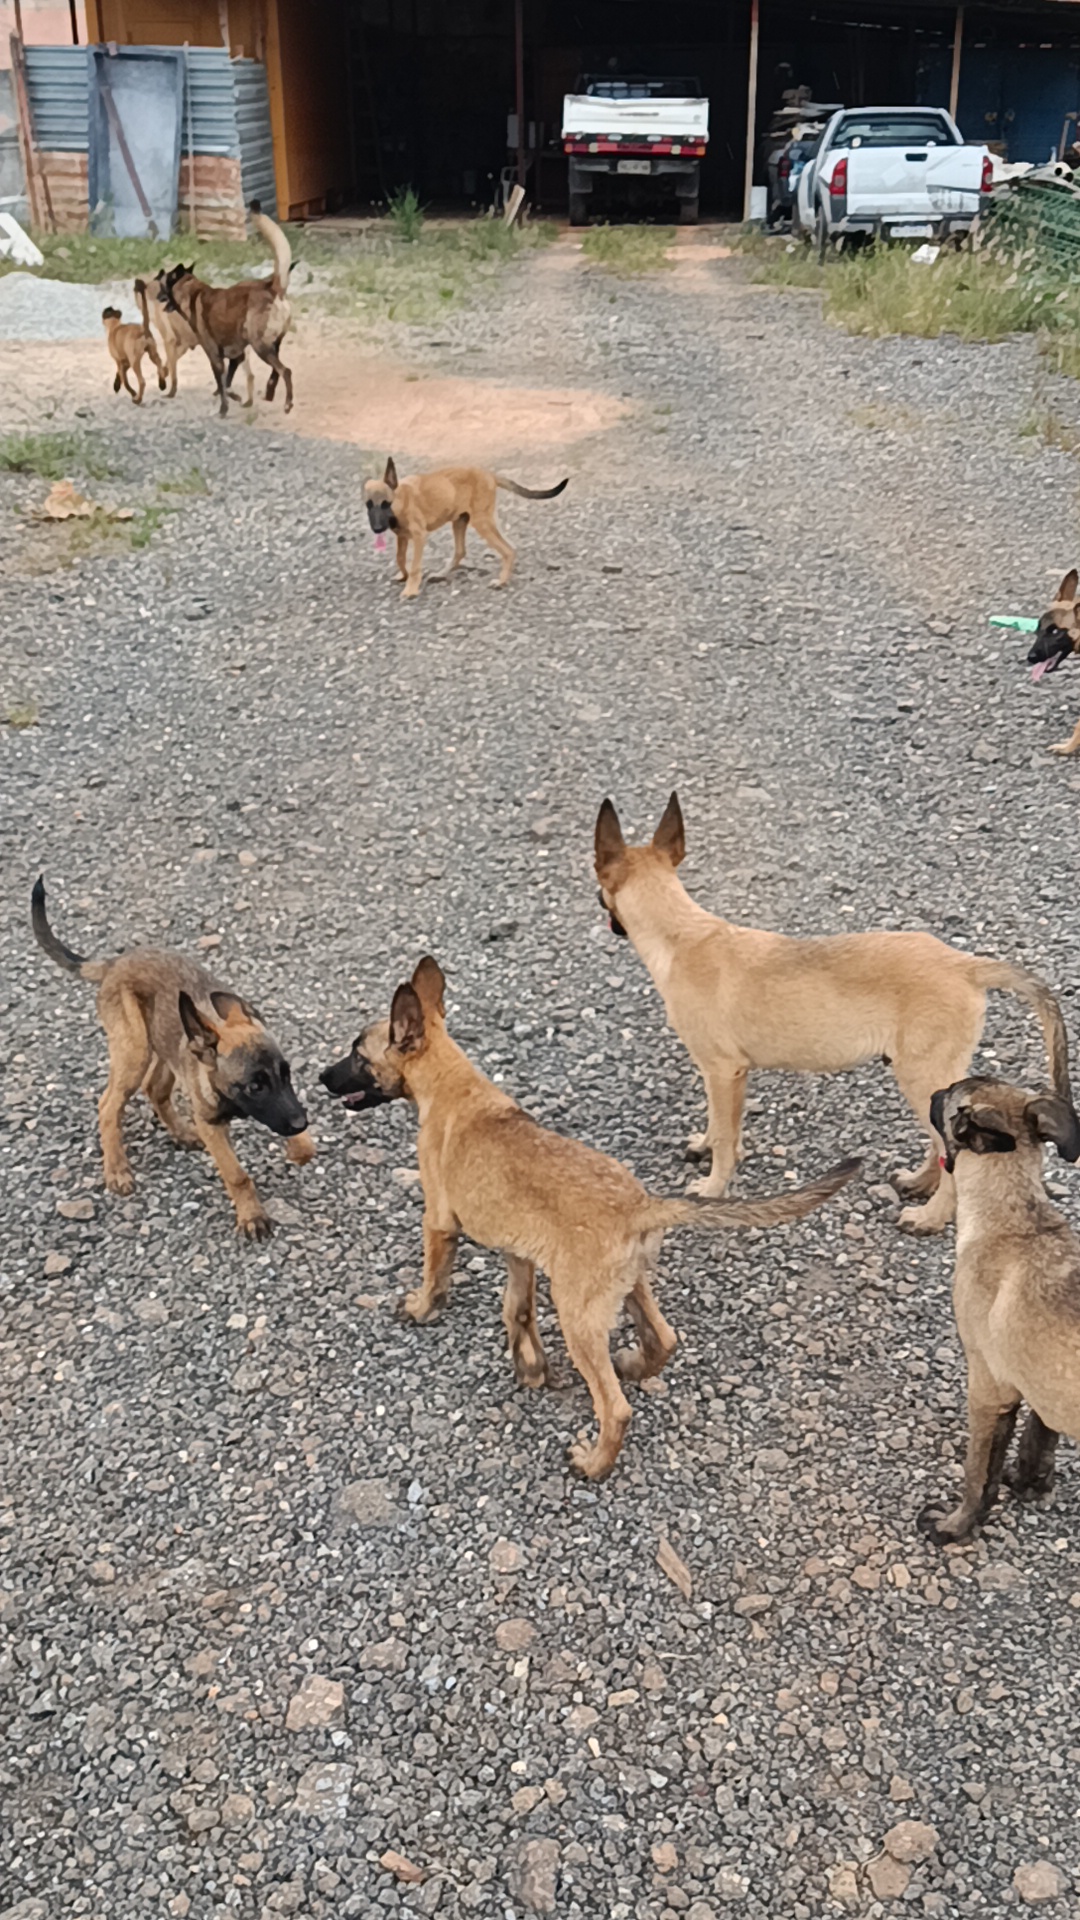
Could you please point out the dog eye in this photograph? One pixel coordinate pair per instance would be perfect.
(258, 1083)
(286, 1074)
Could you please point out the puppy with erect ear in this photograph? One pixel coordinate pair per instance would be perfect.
(1016, 1289)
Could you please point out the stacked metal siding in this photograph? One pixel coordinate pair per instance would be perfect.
(225, 101)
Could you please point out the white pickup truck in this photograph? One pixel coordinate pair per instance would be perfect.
(895, 173)
(634, 139)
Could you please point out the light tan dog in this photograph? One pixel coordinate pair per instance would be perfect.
(1058, 636)
(462, 497)
(739, 998)
(170, 1025)
(490, 1172)
(128, 341)
(177, 338)
(1016, 1289)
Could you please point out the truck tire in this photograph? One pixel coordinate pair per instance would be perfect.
(688, 212)
(821, 235)
(579, 209)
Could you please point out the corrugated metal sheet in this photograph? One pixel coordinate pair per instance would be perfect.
(227, 102)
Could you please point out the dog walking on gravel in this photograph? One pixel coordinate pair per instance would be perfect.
(459, 496)
(741, 998)
(228, 320)
(491, 1172)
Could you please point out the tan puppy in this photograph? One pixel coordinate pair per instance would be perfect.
(177, 338)
(170, 1025)
(128, 341)
(458, 496)
(228, 320)
(739, 998)
(490, 1172)
(1016, 1290)
(1058, 636)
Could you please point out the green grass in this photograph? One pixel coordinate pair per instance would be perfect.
(20, 714)
(84, 258)
(376, 275)
(406, 213)
(191, 481)
(628, 252)
(53, 456)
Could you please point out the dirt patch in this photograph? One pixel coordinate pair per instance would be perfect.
(369, 402)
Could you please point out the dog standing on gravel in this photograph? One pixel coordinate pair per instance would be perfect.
(228, 320)
(1058, 636)
(740, 998)
(128, 341)
(169, 1024)
(491, 1172)
(177, 338)
(1016, 1290)
(418, 506)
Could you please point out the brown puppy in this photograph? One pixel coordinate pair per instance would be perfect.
(1058, 636)
(177, 338)
(1016, 1290)
(228, 320)
(418, 506)
(490, 1172)
(128, 341)
(739, 998)
(169, 1024)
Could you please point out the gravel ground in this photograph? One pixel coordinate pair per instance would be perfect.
(290, 1586)
(36, 309)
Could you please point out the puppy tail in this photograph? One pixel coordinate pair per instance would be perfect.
(1029, 988)
(530, 493)
(56, 950)
(140, 295)
(713, 1216)
(278, 245)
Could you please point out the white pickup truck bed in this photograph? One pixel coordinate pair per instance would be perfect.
(900, 172)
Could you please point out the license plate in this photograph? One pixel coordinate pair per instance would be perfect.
(633, 166)
(911, 233)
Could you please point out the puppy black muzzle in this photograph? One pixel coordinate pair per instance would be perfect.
(1049, 648)
(279, 1110)
(352, 1082)
(380, 515)
(615, 925)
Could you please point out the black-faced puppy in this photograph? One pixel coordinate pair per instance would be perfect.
(740, 998)
(1016, 1289)
(170, 1025)
(1057, 637)
(459, 496)
(491, 1172)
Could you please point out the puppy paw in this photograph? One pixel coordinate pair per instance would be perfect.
(300, 1149)
(697, 1146)
(917, 1181)
(120, 1179)
(629, 1363)
(1036, 1489)
(255, 1226)
(419, 1307)
(531, 1373)
(1063, 746)
(707, 1188)
(588, 1461)
(920, 1220)
(941, 1528)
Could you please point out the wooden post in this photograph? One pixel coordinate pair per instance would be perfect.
(519, 87)
(957, 45)
(74, 23)
(751, 106)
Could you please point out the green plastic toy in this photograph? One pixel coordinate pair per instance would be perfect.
(1012, 620)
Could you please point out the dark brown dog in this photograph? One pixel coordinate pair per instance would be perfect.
(128, 341)
(492, 1173)
(461, 496)
(1058, 636)
(1016, 1289)
(169, 1024)
(177, 338)
(228, 320)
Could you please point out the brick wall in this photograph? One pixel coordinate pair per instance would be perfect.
(219, 199)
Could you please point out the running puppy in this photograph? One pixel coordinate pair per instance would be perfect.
(419, 505)
(739, 998)
(170, 1025)
(1058, 636)
(490, 1172)
(1016, 1290)
(128, 341)
(228, 320)
(177, 338)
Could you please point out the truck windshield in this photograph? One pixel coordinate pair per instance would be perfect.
(893, 130)
(610, 86)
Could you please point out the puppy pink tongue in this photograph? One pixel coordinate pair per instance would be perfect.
(380, 543)
(1039, 669)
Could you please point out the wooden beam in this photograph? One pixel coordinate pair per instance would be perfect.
(519, 87)
(957, 47)
(751, 106)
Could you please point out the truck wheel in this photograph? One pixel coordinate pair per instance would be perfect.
(688, 212)
(579, 209)
(821, 235)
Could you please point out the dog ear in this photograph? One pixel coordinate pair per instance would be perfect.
(984, 1130)
(670, 835)
(233, 1010)
(1056, 1122)
(609, 842)
(1068, 587)
(202, 1035)
(390, 476)
(406, 1020)
(429, 985)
